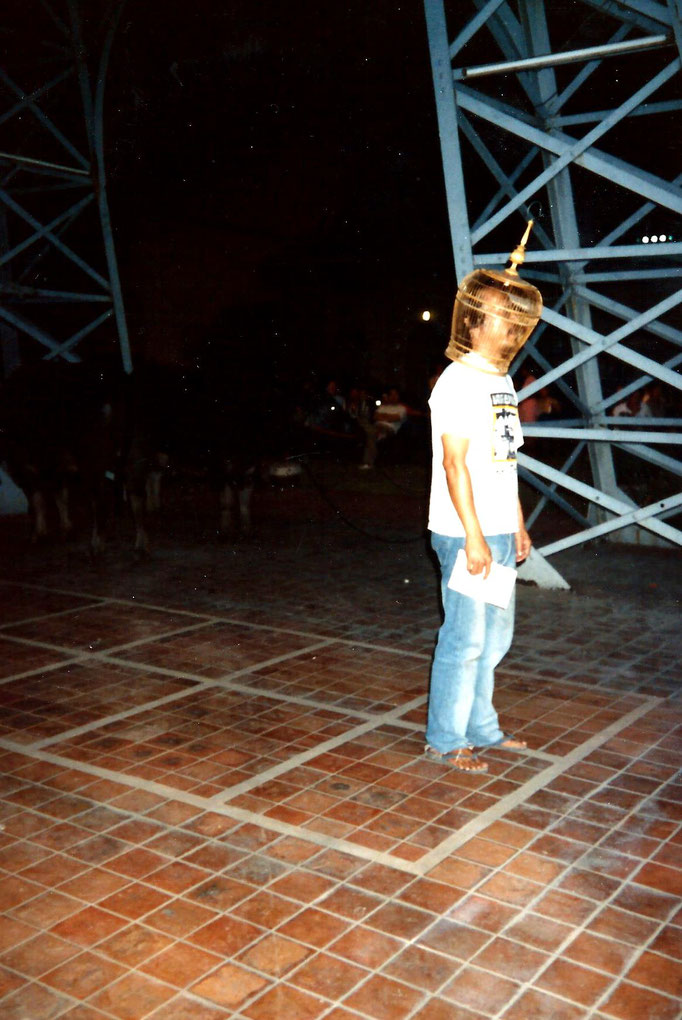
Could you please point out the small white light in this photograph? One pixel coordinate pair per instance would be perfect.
(645, 239)
(426, 315)
(378, 403)
(661, 237)
(654, 238)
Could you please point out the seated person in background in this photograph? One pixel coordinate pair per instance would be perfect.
(655, 399)
(327, 412)
(538, 407)
(631, 407)
(390, 414)
(361, 410)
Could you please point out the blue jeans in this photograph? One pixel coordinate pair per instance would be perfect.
(473, 639)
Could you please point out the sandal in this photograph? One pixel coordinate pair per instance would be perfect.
(508, 743)
(462, 758)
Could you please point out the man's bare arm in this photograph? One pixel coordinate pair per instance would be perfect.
(479, 557)
(523, 540)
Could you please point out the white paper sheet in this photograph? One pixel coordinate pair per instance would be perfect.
(496, 588)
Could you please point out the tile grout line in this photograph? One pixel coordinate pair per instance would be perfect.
(72, 660)
(165, 609)
(90, 650)
(435, 856)
(560, 766)
(578, 929)
(239, 814)
(305, 756)
(301, 906)
(515, 671)
(106, 656)
(227, 682)
(568, 940)
(204, 619)
(604, 784)
(217, 803)
(24, 621)
(190, 628)
(426, 862)
(200, 682)
(531, 786)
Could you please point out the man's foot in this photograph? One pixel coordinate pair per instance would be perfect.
(507, 744)
(462, 759)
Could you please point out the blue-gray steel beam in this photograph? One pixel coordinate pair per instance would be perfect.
(528, 38)
(566, 231)
(650, 42)
(637, 384)
(36, 94)
(641, 516)
(449, 138)
(88, 173)
(618, 507)
(555, 103)
(619, 421)
(93, 107)
(548, 492)
(597, 342)
(504, 180)
(638, 251)
(675, 9)
(43, 231)
(626, 313)
(73, 341)
(45, 296)
(655, 457)
(47, 230)
(44, 120)
(647, 110)
(571, 152)
(30, 329)
(612, 434)
(41, 164)
(628, 276)
(644, 13)
(532, 350)
(470, 30)
(614, 170)
(511, 179)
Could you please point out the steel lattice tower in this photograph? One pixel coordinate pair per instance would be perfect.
(568, 114)
(59, 282)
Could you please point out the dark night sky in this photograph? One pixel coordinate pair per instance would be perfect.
(300, 138)
(287, 157)
(333, 105)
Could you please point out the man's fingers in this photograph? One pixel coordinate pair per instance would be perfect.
(479, 567)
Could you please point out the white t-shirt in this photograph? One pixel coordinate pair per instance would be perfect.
(470, 404)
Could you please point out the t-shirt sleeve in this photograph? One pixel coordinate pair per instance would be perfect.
(451, 410)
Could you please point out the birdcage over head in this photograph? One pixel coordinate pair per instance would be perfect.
(495, 313)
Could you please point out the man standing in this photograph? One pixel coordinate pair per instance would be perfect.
(474, 506)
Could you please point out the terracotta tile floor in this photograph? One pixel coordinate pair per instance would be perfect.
(213, 801)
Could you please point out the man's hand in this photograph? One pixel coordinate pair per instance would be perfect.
(479, 556)
(523, 544)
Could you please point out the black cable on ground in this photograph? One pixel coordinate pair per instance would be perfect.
(402, 488)
(351, 524)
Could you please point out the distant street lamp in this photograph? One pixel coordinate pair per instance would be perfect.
(426, 315)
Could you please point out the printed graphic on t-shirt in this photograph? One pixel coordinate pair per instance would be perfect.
(505, 427)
